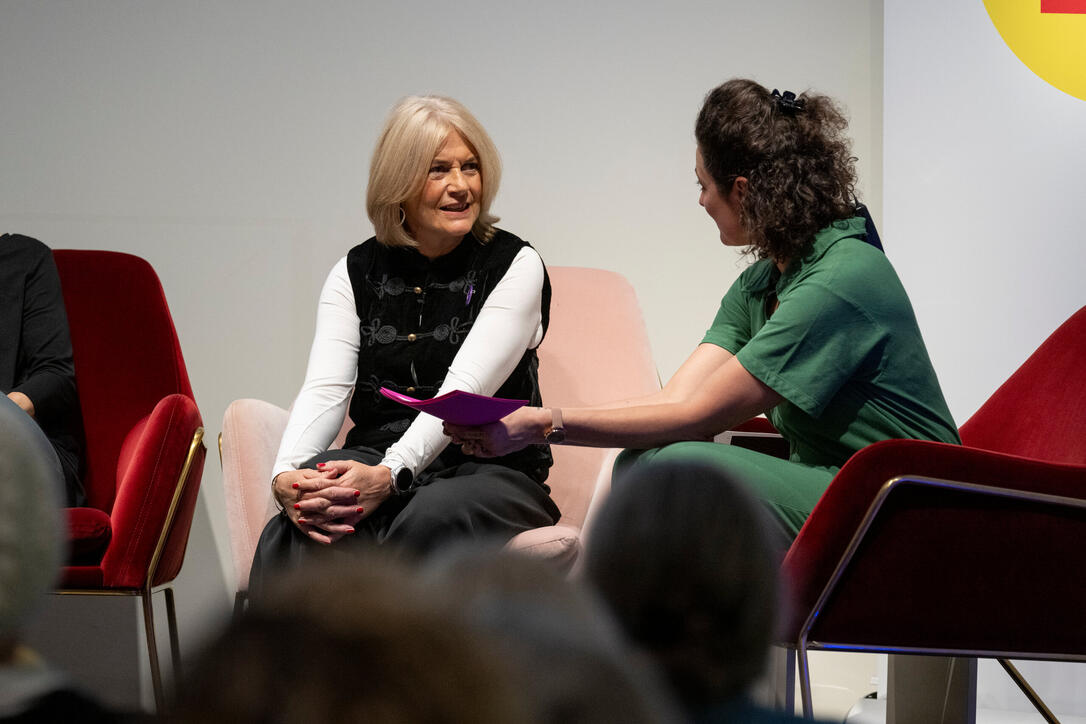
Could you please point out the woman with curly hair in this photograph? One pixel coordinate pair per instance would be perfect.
(818, 333)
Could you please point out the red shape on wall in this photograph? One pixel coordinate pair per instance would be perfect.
(1064, 6)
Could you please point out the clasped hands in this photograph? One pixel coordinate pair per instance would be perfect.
(326, 504)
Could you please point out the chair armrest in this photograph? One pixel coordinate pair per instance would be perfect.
(251, 431)
(601, 490)
(558, 543)
(825, 536)
(757, 425)
(757, 434)
(152, 459)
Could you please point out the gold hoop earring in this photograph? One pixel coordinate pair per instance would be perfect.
(403, 216)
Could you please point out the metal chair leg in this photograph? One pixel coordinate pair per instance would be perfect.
(1034, 699)
(790, 682)
(175, 646)
(805, 680)
(152, 651)
(782, 682)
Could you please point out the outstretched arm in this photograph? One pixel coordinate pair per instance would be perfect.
(710, 393)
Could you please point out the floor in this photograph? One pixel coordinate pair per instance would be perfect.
(873, 711)
(840, 681)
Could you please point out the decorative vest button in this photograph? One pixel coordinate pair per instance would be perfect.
(418, 290)
(410, 390)
(411, 338)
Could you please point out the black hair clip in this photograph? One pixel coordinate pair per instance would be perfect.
(788, 103)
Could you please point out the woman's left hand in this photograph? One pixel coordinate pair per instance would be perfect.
(515, 431)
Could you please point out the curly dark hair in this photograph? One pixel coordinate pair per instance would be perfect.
(798, 162)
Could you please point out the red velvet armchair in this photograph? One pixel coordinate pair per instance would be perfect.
(921, 547)
(144, 451)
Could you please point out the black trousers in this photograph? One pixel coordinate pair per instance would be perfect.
(458, 502)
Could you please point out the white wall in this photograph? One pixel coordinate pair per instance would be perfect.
(228, 143)
(982, 196)
(983, 184)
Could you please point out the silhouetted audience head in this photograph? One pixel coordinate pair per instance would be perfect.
(31, 551)
(682, 554)
(31, 544)
(365, 645)
(475, 634)
(573, 663)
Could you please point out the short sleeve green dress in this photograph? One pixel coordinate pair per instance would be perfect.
(842, 348)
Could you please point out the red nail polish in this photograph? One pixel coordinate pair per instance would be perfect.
(320, 465)
(297, 507)
(295, 486)
(351, 530)
(360, 510)
(301, 520)
(357, 493)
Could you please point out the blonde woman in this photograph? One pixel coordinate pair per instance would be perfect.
(439, 299)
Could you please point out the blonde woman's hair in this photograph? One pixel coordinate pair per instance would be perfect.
(414, 131)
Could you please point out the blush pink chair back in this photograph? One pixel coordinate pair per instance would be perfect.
(596, 350)
(251, 430)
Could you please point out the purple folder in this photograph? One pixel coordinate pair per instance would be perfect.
(459, 407)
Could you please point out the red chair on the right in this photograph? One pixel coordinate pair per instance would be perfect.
(976, 551)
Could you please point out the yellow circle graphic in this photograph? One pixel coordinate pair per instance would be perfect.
(1049, 36)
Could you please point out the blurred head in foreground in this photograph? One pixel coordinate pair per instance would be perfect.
(682, 554)
(558, 638)
(365, 645)
(30, 531)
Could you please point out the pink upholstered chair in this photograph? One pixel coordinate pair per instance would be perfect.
(144, 450)
(596, 349)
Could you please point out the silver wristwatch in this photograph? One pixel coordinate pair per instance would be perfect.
(402, 479)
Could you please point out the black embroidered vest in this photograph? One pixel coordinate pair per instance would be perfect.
(414, 314)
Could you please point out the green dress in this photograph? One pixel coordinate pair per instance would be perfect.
(842, 348)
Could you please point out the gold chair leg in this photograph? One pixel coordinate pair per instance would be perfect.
(1034, 699)
(175, 646)
(152, 650)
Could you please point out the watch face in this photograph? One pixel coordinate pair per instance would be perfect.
(556, 435)
(404, 478)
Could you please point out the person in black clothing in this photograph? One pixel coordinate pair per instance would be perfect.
(439, 300)
(36, 370)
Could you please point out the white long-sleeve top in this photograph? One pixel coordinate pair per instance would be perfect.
(509, 323)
